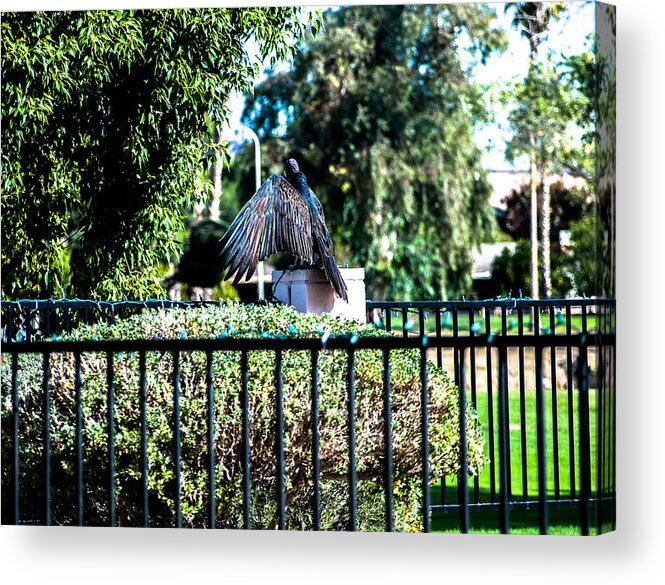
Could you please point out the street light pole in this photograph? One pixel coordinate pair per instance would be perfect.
(245, 131)
(257, 178)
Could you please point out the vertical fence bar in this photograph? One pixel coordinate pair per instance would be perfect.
(351, 385)
(212, 503)
(279, 443)
(28, 326)
(389, 319)
(504, 442)
(456, 351)
(424, 429)
(540, 431)
(474, 398)
(10, 323)
(555, 410)
(15, 441)
(405, 318)
(387, 441)
(508, 470)
(47, 439)
(522, 382)
(143, 404)
(439, 349)
(604, 388)
(600, 437)
(78, 439)
(316, 464)
(110, 413)
(490, 406)
(439, 361)
(585, 442)
(571, 407)
(246, 474)
(177, 452)
(463, 491)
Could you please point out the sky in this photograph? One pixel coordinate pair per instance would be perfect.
(567, 36)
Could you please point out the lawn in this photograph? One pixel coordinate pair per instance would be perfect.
(562, 472)
(557, 325)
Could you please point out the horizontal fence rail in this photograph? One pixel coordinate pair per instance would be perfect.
(539, 375)
(38, 319)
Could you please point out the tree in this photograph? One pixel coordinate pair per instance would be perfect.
(380, 111)
(103, 131)
(567, 205)
(532, 19)
(582, 264)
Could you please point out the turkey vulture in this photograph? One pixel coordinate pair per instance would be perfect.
(284, 215)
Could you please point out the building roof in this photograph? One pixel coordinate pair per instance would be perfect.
(483, 258)
(504, 182)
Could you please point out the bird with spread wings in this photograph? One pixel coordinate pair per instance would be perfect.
(284, 215)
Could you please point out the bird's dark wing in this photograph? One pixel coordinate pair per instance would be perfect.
(275, 219)
(324, 246)
(317, 205)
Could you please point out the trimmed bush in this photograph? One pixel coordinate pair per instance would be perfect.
(246, 321)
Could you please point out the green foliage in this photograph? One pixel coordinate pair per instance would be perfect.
(380, 111)
(566, 205)
(532, 20)
(511, 272)
(199, 264)
(541, 112)
(583, 262)
(238, 320)
(103, 131)
(580, 78)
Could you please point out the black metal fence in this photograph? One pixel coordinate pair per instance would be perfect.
(33, 320)
(555, 364)
(540, 375)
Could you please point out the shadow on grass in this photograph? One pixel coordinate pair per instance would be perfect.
(563, 520)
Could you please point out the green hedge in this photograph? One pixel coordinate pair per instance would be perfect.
(237, 320)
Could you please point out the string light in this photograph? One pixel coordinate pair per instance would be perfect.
(110, 307)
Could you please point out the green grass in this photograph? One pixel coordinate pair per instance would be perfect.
(512, 323)
(561, 520)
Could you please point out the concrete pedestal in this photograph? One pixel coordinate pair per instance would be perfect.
(308, 291)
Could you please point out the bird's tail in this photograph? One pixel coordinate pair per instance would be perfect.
(325, 248)
(335, 277)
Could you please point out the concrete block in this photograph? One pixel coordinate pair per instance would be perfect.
(308, 291)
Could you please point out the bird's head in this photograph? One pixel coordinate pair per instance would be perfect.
(291, 168)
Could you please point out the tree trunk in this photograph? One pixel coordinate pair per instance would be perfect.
(545, 214)
(216, 181)
(534, 218)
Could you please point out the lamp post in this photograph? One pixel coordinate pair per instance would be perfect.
(245, 131)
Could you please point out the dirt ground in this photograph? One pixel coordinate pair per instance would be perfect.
(514, 362)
